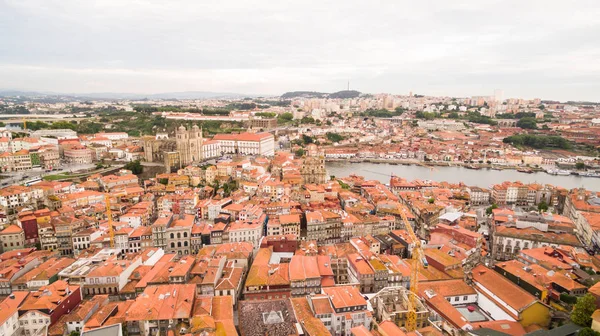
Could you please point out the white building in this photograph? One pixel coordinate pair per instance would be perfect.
(243, 232)
(10, 312)
(247, 143)
(113, 135)
(211, 149)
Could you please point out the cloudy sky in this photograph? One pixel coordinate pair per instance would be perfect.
(548, 48)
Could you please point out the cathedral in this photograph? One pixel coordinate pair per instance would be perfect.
(189, 144)
(313, 168)
(176, 153)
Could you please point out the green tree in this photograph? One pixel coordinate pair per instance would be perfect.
(285, 117)
(527, 123)
(334, 137)
(580, 166)
(307, 139)
(583, 310)
(542, 206)
(135, 167)
(74, 333)
(431, 200)
(588, 332)
(299, 153)
(491, 208)
(266, 114)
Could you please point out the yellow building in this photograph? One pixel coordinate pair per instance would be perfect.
(596, 320)
(504, 299)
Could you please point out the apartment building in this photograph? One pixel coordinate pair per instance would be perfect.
(14, 197)
(77, 154)
(42, 275)
(9, 318)
(111, 276)
(44, 307)
(173, 233)
(12, 238)
(323, 226)
(152, 312)
(341, 309)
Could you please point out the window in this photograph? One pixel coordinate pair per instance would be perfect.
(456, 298)
(465, 298)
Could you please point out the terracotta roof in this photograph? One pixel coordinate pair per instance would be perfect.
(9, 306)
(345, 296)
(164, 302)
(11, 229)
(502, 288)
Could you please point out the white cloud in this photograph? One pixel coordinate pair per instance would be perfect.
(529, 48)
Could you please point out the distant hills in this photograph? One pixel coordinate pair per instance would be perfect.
(115, 95)
(313, 94)
(37, 95)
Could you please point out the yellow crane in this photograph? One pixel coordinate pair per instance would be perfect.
(111, 233)
(417, 257)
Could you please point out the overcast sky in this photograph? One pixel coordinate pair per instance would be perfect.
(548, 49)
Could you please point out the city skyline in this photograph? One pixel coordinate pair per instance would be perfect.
(435, 48)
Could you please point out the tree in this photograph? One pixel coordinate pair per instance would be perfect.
(299, 153)
(334, 137)
(580, 166)
(588, 332)
(583, 310)
(527, 123)
(135, 167)
(542, 207)
(491, 208)
(431, 200)
(307, 139)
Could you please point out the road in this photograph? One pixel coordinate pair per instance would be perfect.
(10, 178)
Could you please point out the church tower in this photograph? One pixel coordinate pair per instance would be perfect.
(313, 169)
(182, 136)
(189, 144)
(195, 144)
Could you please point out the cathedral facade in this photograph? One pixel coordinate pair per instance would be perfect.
(313, 168)
(187, 145)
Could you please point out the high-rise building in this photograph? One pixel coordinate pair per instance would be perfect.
(499, 95)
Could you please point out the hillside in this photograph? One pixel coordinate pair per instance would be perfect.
(313, 94)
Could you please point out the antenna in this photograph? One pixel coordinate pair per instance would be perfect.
(348, 85)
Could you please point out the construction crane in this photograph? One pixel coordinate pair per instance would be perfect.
(24, 123)
(111, 233)
(417, 257)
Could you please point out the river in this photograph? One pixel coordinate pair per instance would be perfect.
(481, 178)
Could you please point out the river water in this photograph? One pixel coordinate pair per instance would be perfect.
(481, 178)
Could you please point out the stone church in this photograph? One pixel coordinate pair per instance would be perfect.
(313, 168)
(176, 153)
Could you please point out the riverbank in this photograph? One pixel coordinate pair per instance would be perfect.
(455, 174)
(435, 164)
